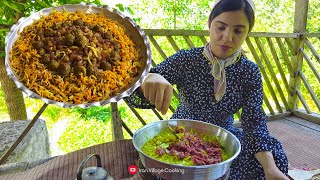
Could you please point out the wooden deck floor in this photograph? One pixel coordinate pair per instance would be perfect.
(300, 140)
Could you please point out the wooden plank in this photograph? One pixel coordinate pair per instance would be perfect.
(173, 43)
(274, 35)
(127, 129)
(203, 39)
(300, 16)
(290, 45)
(294, 81)
(273, 76)
(278, 64)
(266, 101)
(276, 116)
(174, 32)
(313, 117)
(312, 67)
(304, 122)
(270, 117)
(300, 142)
(309, 88)
(135, 112)
(303, 101)
(158, 48)
(306, 35)
(188, 41)
(314, 51)
(157, 114)
(263, 72)
(116, 122)
(284, 55)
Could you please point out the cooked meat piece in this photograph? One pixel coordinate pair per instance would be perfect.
(78, 32)
(78, 22)
(42, 51)
(114, 57)
(86, 51)
(160, 151)
(53, 65)
(79, 68)
(116, 45)
(63, 31)
(98, 29)
(81, 41)
(45, 58)
(65, 59)
(91, 70)
(57, 26)
(69, 39)
(94, 60)
(179, 129)
(104, 55)
(49, 32)
(90, 26)
(49, 43)
(68, 23)
(104, 65)
(38, 45)
(64, 69)
(107, 35)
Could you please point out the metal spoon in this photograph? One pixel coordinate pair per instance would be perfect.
(173, 132)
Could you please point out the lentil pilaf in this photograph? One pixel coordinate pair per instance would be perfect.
(75, 57)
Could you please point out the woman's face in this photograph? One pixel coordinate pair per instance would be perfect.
(227, 33)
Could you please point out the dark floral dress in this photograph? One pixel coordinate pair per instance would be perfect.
(191, 72)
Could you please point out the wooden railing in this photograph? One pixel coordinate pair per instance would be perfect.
(289, 64)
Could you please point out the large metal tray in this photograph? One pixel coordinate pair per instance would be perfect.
(132, 29)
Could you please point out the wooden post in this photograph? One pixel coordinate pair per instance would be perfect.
(300, 23)
(116, 122)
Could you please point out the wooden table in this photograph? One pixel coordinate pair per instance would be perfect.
(116, 157)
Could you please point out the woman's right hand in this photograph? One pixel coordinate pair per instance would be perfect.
(158, 91)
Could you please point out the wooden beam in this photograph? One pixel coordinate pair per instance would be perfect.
(116, 122)
(312, 117)
(201, 33)
(313, 50)
(270, 117)
(300, 23)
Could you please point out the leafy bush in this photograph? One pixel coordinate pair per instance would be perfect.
(84, 133)
(98, 113)
(89, 127)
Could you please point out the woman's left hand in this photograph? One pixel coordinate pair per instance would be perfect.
(271, 171)
(275, 174)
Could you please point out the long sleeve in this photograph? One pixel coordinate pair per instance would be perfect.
(169, 69)
(253, 118)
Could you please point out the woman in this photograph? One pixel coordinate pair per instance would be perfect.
(214, 82)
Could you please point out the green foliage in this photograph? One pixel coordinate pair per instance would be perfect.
(172, 14)
(98, 113)
(52, 114)
(92, 126)
(3, 108)
(81, 134)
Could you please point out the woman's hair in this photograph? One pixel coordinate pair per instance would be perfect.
(233, 5)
